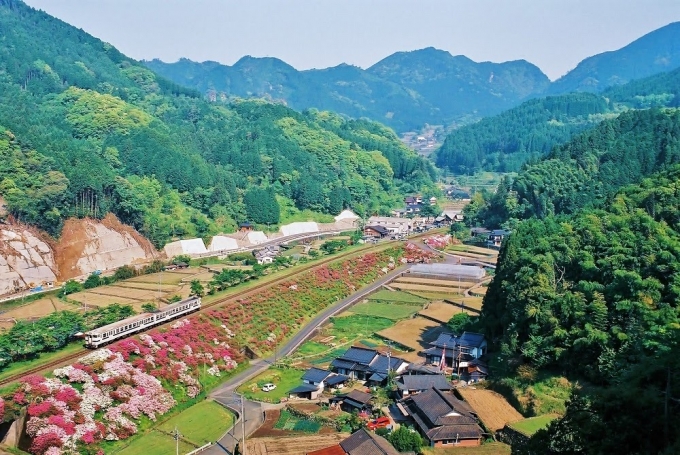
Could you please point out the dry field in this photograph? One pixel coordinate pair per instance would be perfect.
(147, 286)
(479, 291)
(433, 282)
(167, 278)
(293, 445)
(493, 410)
(37, 309)
(442, 312)
(472, 302)
(424, 288)
(413, 333)
(88, 298)
(127, 293)
(437, 295)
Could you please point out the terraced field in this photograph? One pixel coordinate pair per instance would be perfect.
(442, 312)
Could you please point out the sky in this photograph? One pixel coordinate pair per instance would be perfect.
(553, 34)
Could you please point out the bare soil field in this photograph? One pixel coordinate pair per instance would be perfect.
(294, 444)
(479, 291)
(219, 267)
(480, 250)
(441, 311)
(413, 333)
(167, 278)
(127, 293)
(437, 295)
(493, 410)
(431, 281)
(204, 277)
(36, 309)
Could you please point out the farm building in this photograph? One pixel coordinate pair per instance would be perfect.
(448, 272)
(302, 227)
(356, 400)
(362, 442)
(393, 224)
(189, 246)
(315, 381)
(223, 243)
(376, 231)
(367, 364)
(458, 350)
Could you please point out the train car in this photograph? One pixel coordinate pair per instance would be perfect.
(129, 326)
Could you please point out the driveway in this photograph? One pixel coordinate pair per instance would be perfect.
(254, 411)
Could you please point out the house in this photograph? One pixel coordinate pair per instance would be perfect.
(479, 232)
(315, 381)
(398, 213)
(361, 442)
(393, 224)
(457, 193)
(496, 237)
(458, 350)
(444, 420)
(433, 200)
(267, 254)
(476, 371)
(367, 364)
(245, 227)
(376, 231)
(356, 400)
(410, 384)
(413, 200)
(422, 369)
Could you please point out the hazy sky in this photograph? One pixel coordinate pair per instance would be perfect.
(553, 34)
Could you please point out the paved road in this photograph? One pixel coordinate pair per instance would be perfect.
(254, 412)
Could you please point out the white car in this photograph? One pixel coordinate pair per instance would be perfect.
(268, 387)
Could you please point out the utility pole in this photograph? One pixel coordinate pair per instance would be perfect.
(243, 425)
(176, 435)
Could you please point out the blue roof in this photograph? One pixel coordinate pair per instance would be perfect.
(471, 339)
(378, 377)
(337, 379)
(316, 375)
(380, 363)
(359, 355)
(500, 232)
(467, 339)
(423, 382)
(339, 363)
(304, 388)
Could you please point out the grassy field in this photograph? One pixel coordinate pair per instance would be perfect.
(396, 296)
(202, 423)
(491, 448)
(388, 310)
(155, 443)
(531, 425)
(284, 379)
(356, 326)
(413, 333)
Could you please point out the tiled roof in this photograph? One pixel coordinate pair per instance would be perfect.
(364, 443)
(442, 408)
(471, 339)
(359, 355)
(449, 340)
(382, 230)
(380, 363)
(465, 431)
(339, 363)
(337, 379)
(359, 396)
(423, 369)
(423, 382)
(316, 375)
(304, 388)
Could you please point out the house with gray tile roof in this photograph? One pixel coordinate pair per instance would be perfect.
(444, 420)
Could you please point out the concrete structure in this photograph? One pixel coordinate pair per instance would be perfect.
(223, 243)
(302, 227)
(189, 247)
(393, 224)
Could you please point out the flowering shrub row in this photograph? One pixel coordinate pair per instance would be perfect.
(439, 241)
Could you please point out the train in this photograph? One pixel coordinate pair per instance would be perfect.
(104, 335)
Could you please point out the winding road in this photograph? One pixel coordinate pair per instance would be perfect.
(254, 412)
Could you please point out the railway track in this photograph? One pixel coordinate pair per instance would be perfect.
(231, 298)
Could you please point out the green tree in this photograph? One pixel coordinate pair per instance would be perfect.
(405, 439)
(197, 288)
(70, 287)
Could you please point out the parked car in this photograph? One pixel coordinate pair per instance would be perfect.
(380, 422)
(268, 387)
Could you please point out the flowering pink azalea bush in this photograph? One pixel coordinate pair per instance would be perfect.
(438, 241)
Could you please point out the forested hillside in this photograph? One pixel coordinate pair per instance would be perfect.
(91, 131)
(405, 90)
(594, 296)
(503, 143)
(588, 170)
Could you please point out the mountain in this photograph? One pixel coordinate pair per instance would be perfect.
(655, 52)
(405, 90)
(86, 131)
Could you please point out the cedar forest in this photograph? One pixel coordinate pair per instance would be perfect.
(587, 284)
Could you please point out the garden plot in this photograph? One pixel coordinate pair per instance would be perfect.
(434, 282)
(413, 333)
(293, 445)
(493, 410)
(442, 312)
(531, 425)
